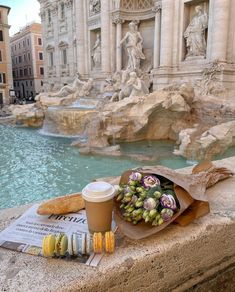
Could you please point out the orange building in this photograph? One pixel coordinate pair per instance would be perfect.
(6, 83)
(27, 61)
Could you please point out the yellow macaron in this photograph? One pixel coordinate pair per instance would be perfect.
(97, 242)
(109, 242)
(48, 245)
(61, 244)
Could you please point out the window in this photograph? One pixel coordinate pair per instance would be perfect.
(26, 83)
(30, 71)
(23, 43)
(14, 84)
(51, 59)
(25, 72)
(64, 56)
(20, 59)
(16, 60)
(28, 42)
(13, 74)
(21, 73)
(49, 15)
(19, 45)
(41, 83)
(41, 71)
(24, 58)
(2, 78)
(40, 54)
(29, 56)
(1, 36)
(0, 56)
(39, 41)
(31, 83)
(62, 10)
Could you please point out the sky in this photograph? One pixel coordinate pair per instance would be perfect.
(22, 12)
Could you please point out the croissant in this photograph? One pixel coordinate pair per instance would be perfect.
(62, 205)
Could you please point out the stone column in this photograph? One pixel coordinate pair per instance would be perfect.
(105, 36)
(157, 36)
(80, 37)
(119, 23)
(220, 29)
(167, 33)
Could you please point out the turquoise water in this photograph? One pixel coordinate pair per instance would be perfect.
(35, 167)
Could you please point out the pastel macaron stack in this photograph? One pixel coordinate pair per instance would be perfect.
(108, 244)
(54, 245)
(75, 245)
(79, 244)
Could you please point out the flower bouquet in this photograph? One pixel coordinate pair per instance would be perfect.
(150, 198)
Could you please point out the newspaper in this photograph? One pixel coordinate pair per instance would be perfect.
(26, 233)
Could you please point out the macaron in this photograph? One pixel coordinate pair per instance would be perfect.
(97, 242)
(82, 244)
(48, 245)
(61, 244)
(73, 244)
(88, 244)
(109, 242)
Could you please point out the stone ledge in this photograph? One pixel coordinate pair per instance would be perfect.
(176, 259)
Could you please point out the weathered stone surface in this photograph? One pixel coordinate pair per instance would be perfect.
(176, 259)
(28, 115)
(152, 116)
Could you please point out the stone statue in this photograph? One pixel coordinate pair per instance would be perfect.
(138, 87)
(195, 34)
(81, 88)
(96, 52)
(121, 88)
(133, 41)
(86, 88)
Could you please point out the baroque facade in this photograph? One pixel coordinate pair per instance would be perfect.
(174, 40)
(27, 61)
(6, 84)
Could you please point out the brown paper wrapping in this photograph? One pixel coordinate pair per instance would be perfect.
(189, 189)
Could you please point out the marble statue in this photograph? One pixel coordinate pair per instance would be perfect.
(86, 88)
(133, 42)
(125, 84)
(121, 88)
(195, 34)
(138, 87)
(79, 87)
(96, 52)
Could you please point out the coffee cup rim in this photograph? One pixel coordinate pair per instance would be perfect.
(98, 196)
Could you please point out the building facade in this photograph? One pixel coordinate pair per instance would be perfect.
(6, 83)
(178, 39)
(27, 61)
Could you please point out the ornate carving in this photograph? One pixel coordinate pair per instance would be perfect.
(95, 7)
(117, 20)
(195, 34)
(157, 6)
(136, 4)
(209, 84)
(54, 8)
(68, 3)
(42, 14)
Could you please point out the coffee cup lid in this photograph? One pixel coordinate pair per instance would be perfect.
(98, 192)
